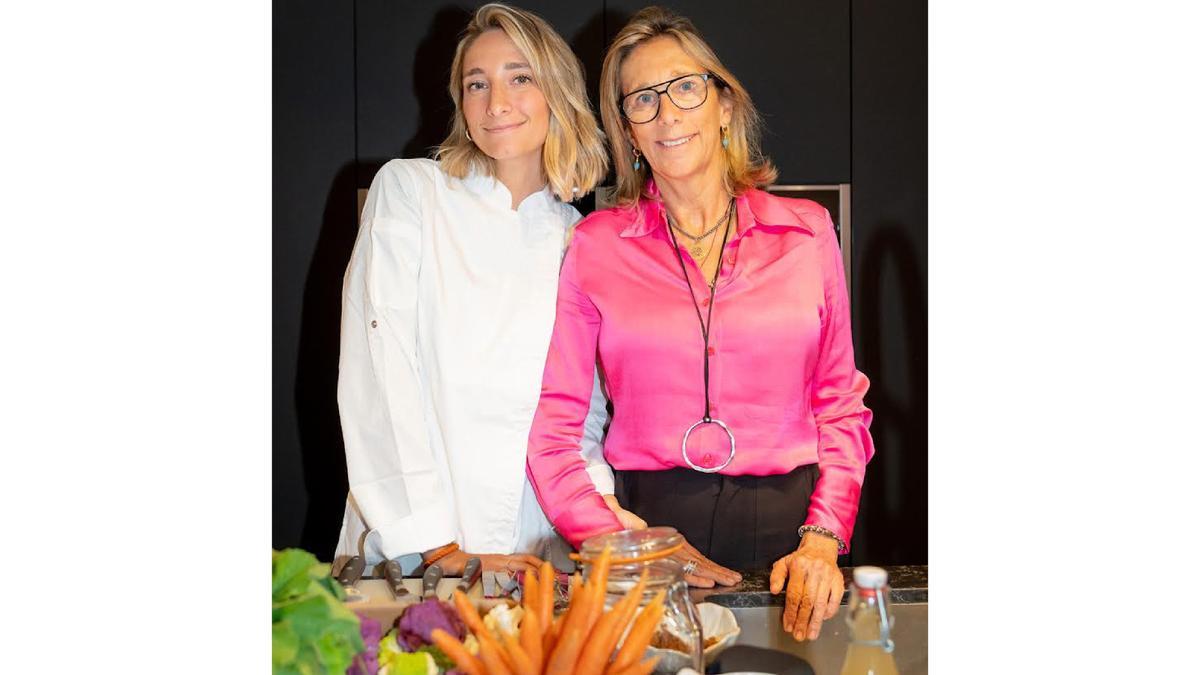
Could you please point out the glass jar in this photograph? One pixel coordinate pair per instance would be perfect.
(678, 640)
(871, 622)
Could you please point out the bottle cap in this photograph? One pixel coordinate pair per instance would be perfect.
(870, 577)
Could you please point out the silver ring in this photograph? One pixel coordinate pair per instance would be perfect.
(689, 567)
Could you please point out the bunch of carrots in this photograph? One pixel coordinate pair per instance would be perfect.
(581, 640)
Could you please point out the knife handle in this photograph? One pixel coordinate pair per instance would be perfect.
(395, 578)
(429, 582)
(471, 573)
(352, 571)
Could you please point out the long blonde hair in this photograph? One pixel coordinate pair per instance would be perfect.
(573, 158)
(746, 167)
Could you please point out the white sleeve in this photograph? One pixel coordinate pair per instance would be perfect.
(392, 472)
(595, 425)
(592, 443)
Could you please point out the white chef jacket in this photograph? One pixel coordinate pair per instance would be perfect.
(447, 308)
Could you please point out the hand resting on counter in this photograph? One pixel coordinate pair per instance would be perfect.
(705, 574)
(452, 565)
(814, 585)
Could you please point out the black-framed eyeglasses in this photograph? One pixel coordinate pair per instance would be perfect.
(686, 92)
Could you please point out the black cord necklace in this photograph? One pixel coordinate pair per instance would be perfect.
(704, 331)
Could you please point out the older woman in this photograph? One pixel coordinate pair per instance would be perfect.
(448, 306)
(719, 318)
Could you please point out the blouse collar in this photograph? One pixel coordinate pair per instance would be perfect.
(755, 207)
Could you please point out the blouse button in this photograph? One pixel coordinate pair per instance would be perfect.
(705, 302)
(712, 351)
(707, 458)
(374, 323)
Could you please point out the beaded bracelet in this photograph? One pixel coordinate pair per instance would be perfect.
(431, 557)
(842, 549)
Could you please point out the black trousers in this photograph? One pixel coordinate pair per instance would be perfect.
(742, 522)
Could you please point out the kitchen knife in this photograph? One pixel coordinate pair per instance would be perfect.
(471, 573)
(395, 579)
(352, 571)
(348, 576)
(429, 582)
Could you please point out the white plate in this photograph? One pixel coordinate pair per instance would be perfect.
(715, 620)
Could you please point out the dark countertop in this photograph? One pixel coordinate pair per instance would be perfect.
(909, 583)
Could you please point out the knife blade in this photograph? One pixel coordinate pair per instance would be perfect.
(471, 573)
(395, 579)
(430, 581)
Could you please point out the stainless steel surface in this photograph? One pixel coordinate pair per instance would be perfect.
(471, 573)
(429, 582)
(762, 627)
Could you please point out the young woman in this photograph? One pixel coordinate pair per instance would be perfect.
(720, 317)
(448, 305)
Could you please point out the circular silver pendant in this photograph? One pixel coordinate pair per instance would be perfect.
(714, 469)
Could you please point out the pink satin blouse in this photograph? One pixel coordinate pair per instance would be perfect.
(782, 373)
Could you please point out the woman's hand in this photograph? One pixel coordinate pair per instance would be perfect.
(629, 519)
(705, 573)
(814, 585)
(452, 565)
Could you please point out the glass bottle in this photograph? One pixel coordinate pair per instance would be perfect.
(678, 640)
(871, 621)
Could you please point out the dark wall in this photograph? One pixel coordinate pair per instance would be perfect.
(313, 202)
(842, 90)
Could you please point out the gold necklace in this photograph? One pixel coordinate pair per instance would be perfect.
(713, 282)
(695, 249)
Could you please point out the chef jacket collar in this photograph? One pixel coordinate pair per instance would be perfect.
(496, 192)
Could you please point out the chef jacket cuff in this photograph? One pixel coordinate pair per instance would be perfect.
(602, 478)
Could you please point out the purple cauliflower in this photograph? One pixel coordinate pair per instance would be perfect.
(367, 662)
(418, 621)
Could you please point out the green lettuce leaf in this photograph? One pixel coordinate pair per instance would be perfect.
(312, 631)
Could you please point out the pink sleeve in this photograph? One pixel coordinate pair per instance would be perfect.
(555, 467)
(844, 445)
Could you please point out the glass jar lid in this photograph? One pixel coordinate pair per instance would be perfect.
(652, 543)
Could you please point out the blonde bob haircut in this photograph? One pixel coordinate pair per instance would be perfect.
(573, 158)
(745, 168)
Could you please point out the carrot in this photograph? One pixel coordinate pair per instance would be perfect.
(468, 613)
(490, 653)
(643, 668)
(639, 636)
(530, 595)
(550, 637)
(521, 663)
(603, 639)
(598, 589)
(566, 652)
(531, 640)
(547, 584)
(578, 612)
(450, 645)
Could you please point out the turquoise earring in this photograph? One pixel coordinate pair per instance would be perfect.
(725, 138)
(637, 159)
